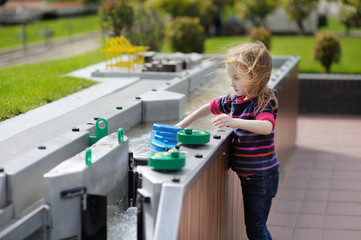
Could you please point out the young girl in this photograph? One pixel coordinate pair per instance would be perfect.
(251, 112)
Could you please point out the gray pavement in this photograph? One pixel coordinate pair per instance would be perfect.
(320, 194)
(55, 49)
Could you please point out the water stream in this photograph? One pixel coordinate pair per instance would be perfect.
(216, 85)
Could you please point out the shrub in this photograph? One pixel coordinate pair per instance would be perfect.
(115, 16)
(148, 28)
(260, 34)
(186, 35)
(327, 50)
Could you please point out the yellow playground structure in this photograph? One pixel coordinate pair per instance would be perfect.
(117, 48)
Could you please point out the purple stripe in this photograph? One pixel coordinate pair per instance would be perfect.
(254, 148)
(260, 169)
(257, 162)
(246, 134)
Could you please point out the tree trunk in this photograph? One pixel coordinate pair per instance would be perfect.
(328, 69)
(300, 27)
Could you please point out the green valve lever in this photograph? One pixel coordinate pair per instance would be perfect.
(99, 131)
(166, 160)
(120, 135)
(88, 157)
(190, 136)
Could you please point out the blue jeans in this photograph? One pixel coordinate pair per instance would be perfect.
(257, 199)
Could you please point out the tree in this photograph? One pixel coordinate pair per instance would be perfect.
(255, 10)
(205, 10)
(350, 14)
(298, 10)
(148, 28)
(116, 16)
(327, 50)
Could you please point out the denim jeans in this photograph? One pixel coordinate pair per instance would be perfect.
(257, 199)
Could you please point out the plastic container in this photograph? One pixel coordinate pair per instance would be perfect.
(163, 137)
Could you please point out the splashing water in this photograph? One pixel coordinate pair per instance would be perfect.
(121, 225)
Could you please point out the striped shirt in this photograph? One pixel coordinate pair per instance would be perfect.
(251, 153)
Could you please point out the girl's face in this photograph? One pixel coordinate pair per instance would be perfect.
(237, 79)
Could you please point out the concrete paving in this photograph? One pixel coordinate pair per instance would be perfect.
(320, 194)
(54, 49)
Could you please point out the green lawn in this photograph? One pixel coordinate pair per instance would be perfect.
(11, 36)
(298, 46)
(29, 86)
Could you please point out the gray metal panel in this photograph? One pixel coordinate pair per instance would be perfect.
(108, 176)
(162, 105)
(126, 118)
(284, 70)
(178, 85)
(25, 173)
(6, 214)
(2, 190)
(199, 74)
(27, 225)
(169, 211)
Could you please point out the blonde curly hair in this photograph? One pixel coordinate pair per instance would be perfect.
(254, 59)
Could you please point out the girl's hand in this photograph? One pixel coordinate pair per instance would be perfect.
(223, 120)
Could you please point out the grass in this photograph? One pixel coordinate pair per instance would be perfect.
(11, 36)
(296, 46)
(300, 46)
(29, 86)
(336, 26)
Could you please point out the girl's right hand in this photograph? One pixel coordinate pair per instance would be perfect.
(223, 120)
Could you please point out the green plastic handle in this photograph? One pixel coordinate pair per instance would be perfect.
(88, 157)
(99, 131)
(193, 137)
(120, 135)
(166, 160)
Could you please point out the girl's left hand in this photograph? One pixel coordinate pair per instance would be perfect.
(223, 120)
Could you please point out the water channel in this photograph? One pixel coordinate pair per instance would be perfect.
(123, 225)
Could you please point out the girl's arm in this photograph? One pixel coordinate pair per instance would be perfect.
(201, 112)
(263, 127)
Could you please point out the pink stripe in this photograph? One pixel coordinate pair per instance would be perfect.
(249, 134)
(260, 169)
(214, 107)
(266, 116)
(254, 148)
